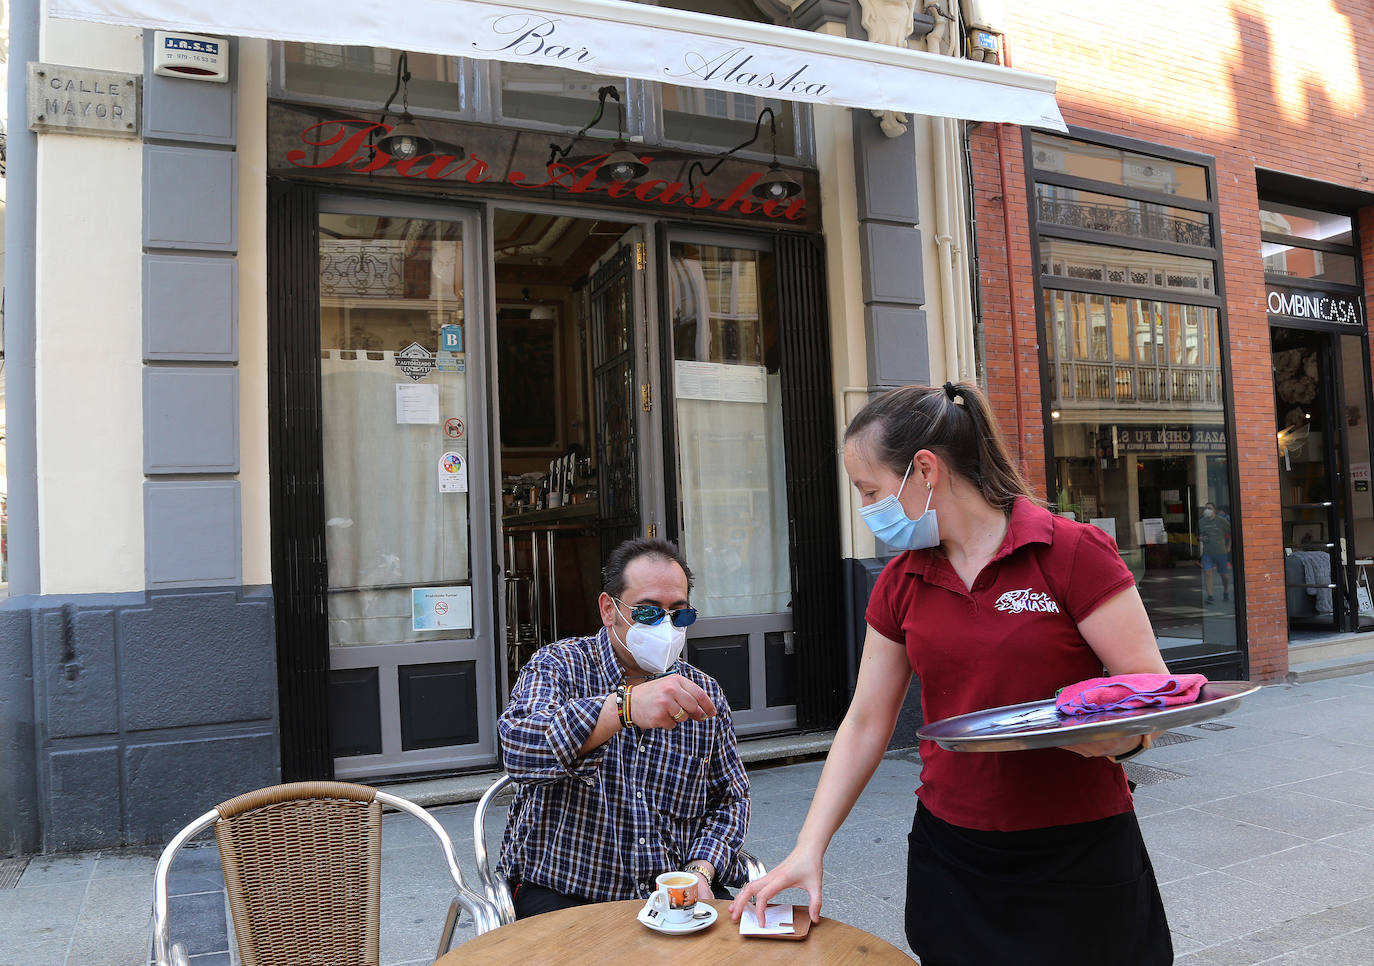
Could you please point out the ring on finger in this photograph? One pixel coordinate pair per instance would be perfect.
(679, 714)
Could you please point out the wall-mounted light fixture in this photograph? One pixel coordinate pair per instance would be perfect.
(538, 310)
(776, 185)
(621, 164)
(405, 140)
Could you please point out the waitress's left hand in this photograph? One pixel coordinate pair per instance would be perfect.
(1107, 747)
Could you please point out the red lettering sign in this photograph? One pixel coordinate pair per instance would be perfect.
(353, 147)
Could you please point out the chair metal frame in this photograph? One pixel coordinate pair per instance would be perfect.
(484, 914)
(494, 884)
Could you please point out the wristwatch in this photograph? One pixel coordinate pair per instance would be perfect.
(698, 866)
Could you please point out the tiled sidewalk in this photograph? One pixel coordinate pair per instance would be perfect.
(1261, 826)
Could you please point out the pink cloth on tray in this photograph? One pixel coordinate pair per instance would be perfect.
(1129, 691)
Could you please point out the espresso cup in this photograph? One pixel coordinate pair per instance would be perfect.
(675, 899)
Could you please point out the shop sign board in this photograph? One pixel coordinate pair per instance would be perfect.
(307, 143)
(1337, 308)
(1171, 439)
(77, 100)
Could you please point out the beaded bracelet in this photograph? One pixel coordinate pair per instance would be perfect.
(620, 705)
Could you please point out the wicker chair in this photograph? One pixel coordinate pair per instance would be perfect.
(494, 884)
(302, 870)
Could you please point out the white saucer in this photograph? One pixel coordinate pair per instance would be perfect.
(678, 928)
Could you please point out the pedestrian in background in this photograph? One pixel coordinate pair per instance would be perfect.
(1214, 533)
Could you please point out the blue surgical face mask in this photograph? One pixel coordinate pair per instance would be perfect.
(888, 520)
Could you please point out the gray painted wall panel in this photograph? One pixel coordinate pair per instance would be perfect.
(191, 660)
(171, 782)
(79, 672)
(190, 198)
(190, 420)
(897, 346)
(190, 308)
(20, 809)
(887, 172)
(185, 109)
(892, 263)
(191, 533)
(210, 655)
(86, 783)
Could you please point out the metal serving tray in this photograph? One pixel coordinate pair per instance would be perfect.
(1038, 724)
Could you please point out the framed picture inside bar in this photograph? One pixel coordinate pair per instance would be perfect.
(529, 378)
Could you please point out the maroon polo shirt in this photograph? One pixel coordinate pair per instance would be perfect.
(1012, 638)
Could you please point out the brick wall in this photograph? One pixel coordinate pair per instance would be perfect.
(1264, 87)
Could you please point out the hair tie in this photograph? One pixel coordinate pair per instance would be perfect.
(952, 391)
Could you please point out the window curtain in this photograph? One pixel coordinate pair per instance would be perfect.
(387, 526)
(730, 461)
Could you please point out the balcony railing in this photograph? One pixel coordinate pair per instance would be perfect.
(1196, 387)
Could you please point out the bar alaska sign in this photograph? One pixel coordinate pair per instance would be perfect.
(513, 163)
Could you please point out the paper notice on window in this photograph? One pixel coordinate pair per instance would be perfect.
(453, 473)
(1152, 530)
(1105, 523)
(720, 382)
(777, 917)
(417, 403)
(440, 608)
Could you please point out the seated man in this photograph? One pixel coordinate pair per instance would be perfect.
(624, 757)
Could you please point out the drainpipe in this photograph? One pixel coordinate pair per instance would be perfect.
(956, 317)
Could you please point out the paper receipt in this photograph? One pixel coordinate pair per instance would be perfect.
(778, 919)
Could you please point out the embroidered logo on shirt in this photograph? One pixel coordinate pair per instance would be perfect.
(1019, 601)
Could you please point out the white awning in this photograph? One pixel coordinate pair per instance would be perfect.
(621, 39)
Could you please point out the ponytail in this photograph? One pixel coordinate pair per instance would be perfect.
(955, 423)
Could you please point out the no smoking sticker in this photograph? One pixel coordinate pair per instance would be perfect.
(454, 428)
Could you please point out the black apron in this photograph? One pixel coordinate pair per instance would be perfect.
(1042, 897)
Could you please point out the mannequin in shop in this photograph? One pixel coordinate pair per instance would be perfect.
(624, 756)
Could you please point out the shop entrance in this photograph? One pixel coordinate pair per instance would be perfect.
(1322, 408)
(638, 380)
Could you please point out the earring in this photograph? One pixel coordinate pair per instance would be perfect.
(928, 484)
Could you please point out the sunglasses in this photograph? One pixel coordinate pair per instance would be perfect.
(651, 614)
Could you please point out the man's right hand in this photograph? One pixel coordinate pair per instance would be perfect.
(668, 701)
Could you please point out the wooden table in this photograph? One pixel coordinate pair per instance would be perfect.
(609, 934)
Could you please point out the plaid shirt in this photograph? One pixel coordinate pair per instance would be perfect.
(645, 802)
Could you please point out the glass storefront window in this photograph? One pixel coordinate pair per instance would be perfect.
(1075, 208)
(1160, 355)
(367, 75)
(396, 517)
(731, 480)
(1137, 402)
(708, 118)
(1308, 223)
(1118, 167)
(1295, 262)
(1086, 261)
(553, 95)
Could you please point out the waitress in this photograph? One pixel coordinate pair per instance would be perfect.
(1013, 856)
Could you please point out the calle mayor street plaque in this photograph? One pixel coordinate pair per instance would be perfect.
(77, 100)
